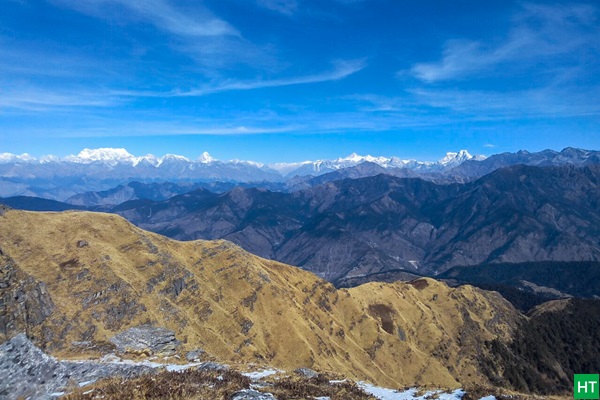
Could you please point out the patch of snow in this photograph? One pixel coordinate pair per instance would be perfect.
(180, 367)
(410, 394)
(488, 398)
(82, 384)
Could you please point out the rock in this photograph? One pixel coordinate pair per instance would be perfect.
(24, 301)
(27, 372)
(212, 366)
(307, 372)
(194, 355)
(146, 339)
(82, 243)
(251, 394)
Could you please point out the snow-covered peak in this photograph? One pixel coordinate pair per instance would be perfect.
(148, 159)
(172, 158)
(48, 159)
(243, 162)
(6, 158)
(352, 157)
(108, 155)
(206, 158)
(453, 158)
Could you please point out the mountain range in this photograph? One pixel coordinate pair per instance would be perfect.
(99, 170)
(355, 227)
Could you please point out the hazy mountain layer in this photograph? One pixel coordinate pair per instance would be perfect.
(356, 227)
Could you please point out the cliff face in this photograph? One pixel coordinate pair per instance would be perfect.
(89, 276)
(24, 301)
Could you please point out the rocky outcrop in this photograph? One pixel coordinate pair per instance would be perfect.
(24, 302)
(146, 339)
(195, 355)
(251, 394)
(27, 372)
(306, 372)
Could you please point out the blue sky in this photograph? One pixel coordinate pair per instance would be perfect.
(288, 80)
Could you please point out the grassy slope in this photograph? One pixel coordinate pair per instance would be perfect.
(241, 308)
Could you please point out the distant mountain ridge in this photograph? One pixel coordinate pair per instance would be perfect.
(354, 227)
(103, 169)
(98, 170)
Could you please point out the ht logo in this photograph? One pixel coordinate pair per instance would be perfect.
(586, 386)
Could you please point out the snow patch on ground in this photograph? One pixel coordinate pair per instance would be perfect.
(257, 375)
(410, 394)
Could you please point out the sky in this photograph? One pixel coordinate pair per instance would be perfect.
(292, 80)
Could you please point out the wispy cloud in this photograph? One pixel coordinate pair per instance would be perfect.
(342, 70)
(161, 14)
(547, 102)
(286, 7)
(538, 32)
(37, 99)
(194, 32)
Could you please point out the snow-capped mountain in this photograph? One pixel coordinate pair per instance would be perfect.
(453, 159)
(7, 158)
(320, 167)
(105, 168)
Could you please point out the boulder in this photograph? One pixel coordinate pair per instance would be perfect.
(307, 372)
(146, 339)
(194, 355)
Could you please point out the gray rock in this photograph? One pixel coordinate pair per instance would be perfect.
(194, 355)
(250, 394)
(24, 301)
(27, 372)
(307, 372)
(212, 366)
(146, 339)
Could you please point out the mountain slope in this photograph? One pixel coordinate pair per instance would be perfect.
(357, 227)
(103, 275)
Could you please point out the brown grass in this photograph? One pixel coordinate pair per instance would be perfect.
(188, 384)
(304, 388)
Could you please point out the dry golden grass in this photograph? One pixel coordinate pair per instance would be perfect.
(241, 308)
(188, 384)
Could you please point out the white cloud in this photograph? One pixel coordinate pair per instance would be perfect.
(342, 70)
(161, 14)
(30, 98)
(538, 32)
